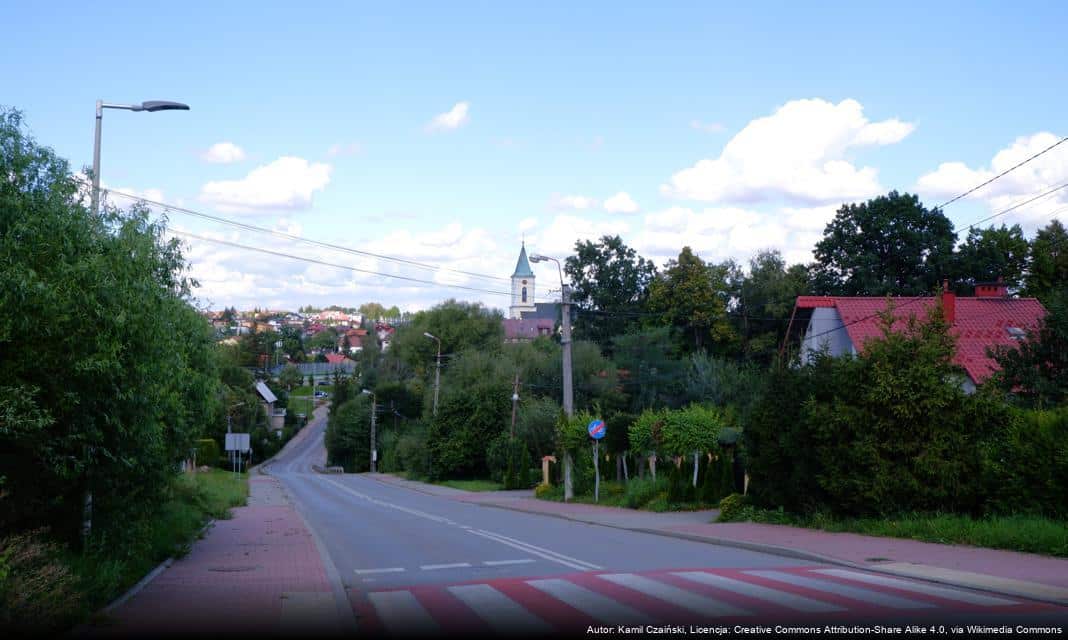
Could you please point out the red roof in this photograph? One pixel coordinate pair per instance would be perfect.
(979, 323)
(335, 358)
(519, 329)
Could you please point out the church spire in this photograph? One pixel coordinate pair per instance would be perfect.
(522, 266)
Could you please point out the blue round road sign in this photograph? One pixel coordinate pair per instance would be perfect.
(596, 429)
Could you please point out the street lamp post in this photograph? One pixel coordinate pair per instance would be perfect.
(374, 453)
(437, 372)
(150, 106)
(565, 342)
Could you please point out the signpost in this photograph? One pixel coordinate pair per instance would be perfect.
(236, 444)
(596, 429)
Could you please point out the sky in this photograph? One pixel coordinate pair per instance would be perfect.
(445, 134)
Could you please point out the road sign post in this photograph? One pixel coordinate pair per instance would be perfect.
(596, 429)
(236, 444)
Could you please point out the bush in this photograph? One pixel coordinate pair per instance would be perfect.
(641, 491)
(508, 461)
(38, 593)
(732, 508)
(412, 454)
(549, 492)
(208, 452)
(1028, 464)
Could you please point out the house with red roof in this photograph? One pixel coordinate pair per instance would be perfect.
(990, 319)
(336, 358)
(526, 329)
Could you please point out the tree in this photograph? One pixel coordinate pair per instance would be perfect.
(890, 245)
(609, 283)
(1048, 269)
(290, 377)
(348, 434)
(766, 298)
(1038, 369)
(989, 254)
(650, 369)
(692, 296)
(459, 325)
(325, 339)
(127, 379)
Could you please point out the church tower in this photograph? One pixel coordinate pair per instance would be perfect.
(522, 287)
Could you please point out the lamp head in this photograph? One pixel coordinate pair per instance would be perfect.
(163, 105)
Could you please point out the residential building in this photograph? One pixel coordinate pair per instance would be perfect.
(841, 325)
(525, 330)
(276, 418)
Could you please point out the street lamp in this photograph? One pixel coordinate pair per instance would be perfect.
(374, 453)
(151, 106)
(437, 372)
(565, 342)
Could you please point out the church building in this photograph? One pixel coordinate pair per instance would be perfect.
(528, 319)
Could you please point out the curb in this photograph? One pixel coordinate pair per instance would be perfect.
(787, 552)
(346, 616)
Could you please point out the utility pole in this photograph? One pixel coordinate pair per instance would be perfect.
(515, 401)
(374, 409)
(437, 372)
(569, 395)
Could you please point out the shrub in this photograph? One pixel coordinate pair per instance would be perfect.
(412, 453)
(1028, 464)
(38, 593)
(549, 492)
(641, 491)
(208, 452)
(732, 508)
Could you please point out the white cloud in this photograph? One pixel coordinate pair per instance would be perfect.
(223, 153)
(796, 154)
(452, 119)
(526, 224)
(621, 203)
(575, 202)
(339, 149)
(558, 239)
(707, 127)
(1035, 177)
(288, 183)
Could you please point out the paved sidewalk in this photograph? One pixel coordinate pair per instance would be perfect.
(258, 573)
(1009, 572)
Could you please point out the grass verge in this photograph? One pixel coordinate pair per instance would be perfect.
(39, 577)
(465, 485)
(643, 494)
(1029, 534)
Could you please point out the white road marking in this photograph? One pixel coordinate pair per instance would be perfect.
(382, 503)
(941, 592)
(782, 598)
(541, 549)
(498, 563)
(535, 553)
(674, 595)
(401, 613)
(387, 570)
(856, 593)
(593, 604)
(453, 565)
(498, 610)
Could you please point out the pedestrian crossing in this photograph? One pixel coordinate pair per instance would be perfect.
(571, 602)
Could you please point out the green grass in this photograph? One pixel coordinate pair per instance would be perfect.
(642, 494)
(195, 498)
(1029, 534)
(301, 404)
(472, 485)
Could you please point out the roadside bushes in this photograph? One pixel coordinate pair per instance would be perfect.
(887, 432)
(683, 438)
(509, 462)
(348, 435)
(1028, 464)
(38, 592)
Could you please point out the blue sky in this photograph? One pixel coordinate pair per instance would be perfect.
(726, 126)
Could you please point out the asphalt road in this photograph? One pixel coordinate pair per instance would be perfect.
(417, 563)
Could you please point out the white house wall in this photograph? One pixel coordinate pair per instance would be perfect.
(825, 331)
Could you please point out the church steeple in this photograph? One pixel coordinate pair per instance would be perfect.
(522, 286)
(522, 266)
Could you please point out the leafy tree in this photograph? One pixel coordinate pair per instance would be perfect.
(459, 325)
(692, 296)
(290, 377)
(127, 378)
(890, 245)
(766, 298)
(325, 339)
(1048, 269)
(989, 254)
(348, 434)
(1037, 370)
(650, 368)
(609, 284)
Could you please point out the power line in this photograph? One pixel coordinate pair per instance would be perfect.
(288, 236)
(1003, 173)
(335, 265)
(1014, 207)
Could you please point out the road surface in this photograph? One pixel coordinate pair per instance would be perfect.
(413, 563)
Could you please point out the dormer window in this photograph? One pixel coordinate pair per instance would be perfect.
(1016, 333)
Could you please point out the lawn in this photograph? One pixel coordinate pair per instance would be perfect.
(465, 485)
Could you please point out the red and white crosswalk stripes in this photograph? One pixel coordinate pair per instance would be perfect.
(682, 596)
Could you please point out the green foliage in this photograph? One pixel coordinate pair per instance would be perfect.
(695, 428)
(989, 254)
(290, 377)
(889, 245)
(549, 492)
(765, 303)
(735, 387)
(127, 378)
(1028, 464)
(38, 592)
(646, 433)
(1047, 272)
(208, 452)
(642, 491)
(461, 326)
(731, 507)
(468, 419)
(655, 373)
(886, 432)
(411, 451)
(1036, 370)
(608, 278)
(348, 435)
(536, 425)
(572, 435)
(692, 296)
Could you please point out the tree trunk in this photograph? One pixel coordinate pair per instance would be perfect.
(623, 458)
(652, 466)
(569, 490)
